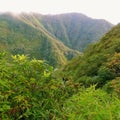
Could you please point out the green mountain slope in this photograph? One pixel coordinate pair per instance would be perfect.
(25, 35)
(75, 30)
(99, 63)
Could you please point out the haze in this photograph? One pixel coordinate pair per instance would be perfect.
(100, 9)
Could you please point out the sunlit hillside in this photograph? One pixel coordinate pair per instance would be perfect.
(41, 78)
(86, 89)
(21, 35)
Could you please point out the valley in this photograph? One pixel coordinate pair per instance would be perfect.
(59, 67)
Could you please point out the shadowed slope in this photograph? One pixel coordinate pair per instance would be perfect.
(75, 30)
(99, 63)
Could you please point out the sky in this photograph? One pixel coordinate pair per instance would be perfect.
(99, 9)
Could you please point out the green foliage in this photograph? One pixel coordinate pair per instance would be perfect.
(113, 86)
(99, 63)
(24, 34)
(21, 85)
(30, 88)
(105, 73)
(114, 64)
(28, 91)
(91, 104)
(75, 30)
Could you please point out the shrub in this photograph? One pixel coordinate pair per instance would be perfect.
(91, 104)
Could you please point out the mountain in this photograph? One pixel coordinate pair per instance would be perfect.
(99, 63)
(74, 29)
(29, 89)
(49, 37)
(23, 34)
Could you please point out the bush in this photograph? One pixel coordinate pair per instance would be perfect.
(91, 104)
(28, 91)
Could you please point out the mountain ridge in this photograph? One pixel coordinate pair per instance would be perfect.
(99, 63)
(27, 34)
(74, 29)
(25, 39)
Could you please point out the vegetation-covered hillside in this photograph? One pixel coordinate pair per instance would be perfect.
(87, 88)
(28, 91)
(100, 62)
(43, 37)
(19, 35)
(74, 29)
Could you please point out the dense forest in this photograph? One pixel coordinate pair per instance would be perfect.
(19, 36)
(75, 30)
(49, 38)
(85, 87)
(100, 61)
